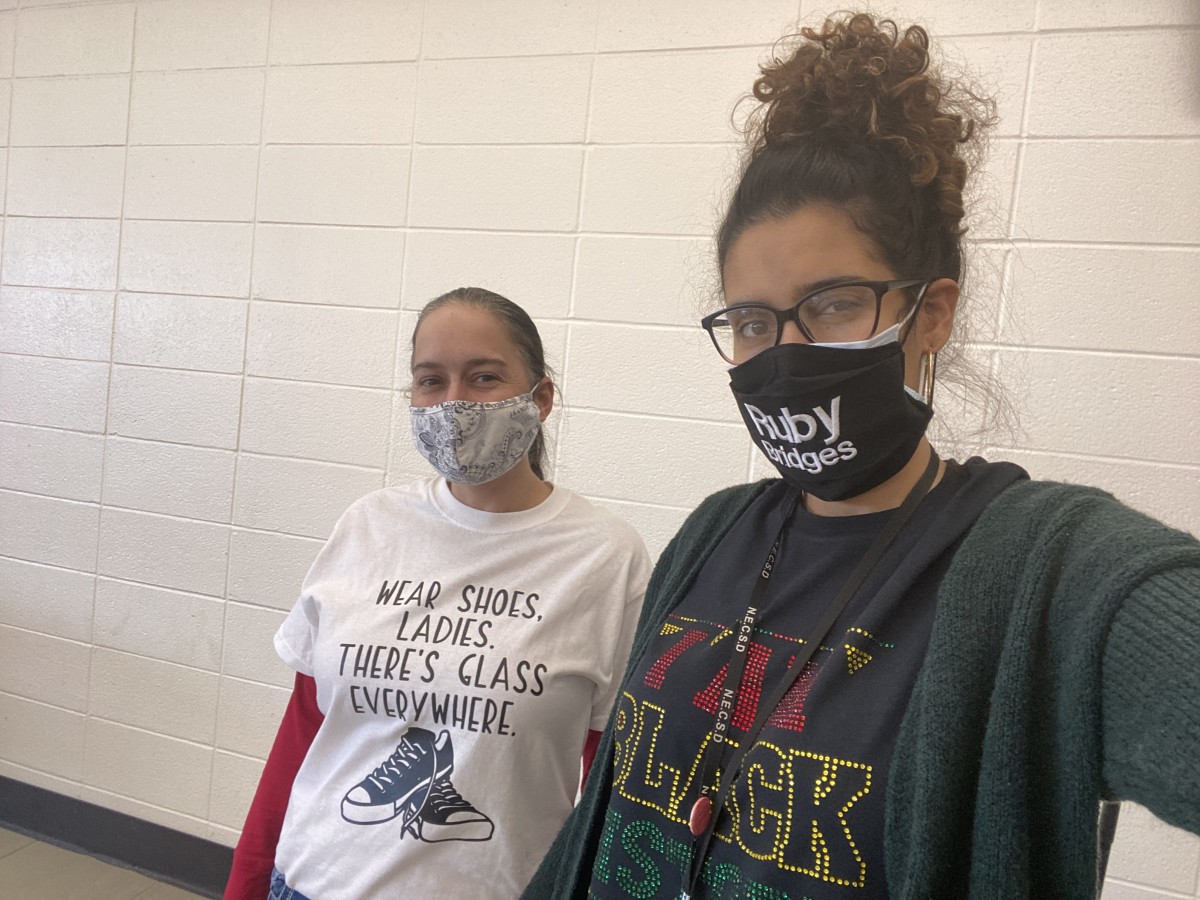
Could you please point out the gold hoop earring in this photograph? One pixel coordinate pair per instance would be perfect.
(928, 376)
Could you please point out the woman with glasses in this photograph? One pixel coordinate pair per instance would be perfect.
(883, 674)
(454, 641)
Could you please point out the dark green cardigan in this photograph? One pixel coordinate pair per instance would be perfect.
(1064, 663)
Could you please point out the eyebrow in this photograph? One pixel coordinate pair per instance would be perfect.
(812, 287)
(815, 286)
(477, 361)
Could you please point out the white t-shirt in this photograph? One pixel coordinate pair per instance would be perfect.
(460, 658)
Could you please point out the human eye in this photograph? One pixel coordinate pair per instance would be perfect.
(841, 303)
(426, 384)
(751, 323)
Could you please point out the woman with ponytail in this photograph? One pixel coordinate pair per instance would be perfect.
(882, 674)
(458, 643)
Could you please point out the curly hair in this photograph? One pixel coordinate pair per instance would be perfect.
(856, 118)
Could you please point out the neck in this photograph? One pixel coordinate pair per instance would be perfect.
(516, 490)
(884, 496)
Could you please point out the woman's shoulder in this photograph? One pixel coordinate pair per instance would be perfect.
(1040, 513)
(388, 503)
(419, 491)
(1040, 502)
(731, 501)
(716, 512)
(598, 519)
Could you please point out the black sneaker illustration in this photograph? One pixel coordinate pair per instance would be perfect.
(448, 817)
(401, 784)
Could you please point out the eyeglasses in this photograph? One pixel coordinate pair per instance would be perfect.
(832, 315)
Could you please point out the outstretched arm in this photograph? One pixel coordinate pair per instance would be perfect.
(1152, 698)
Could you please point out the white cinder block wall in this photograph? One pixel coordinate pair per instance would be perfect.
(221, 215)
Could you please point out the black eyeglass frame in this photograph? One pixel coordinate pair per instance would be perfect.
(791, 314)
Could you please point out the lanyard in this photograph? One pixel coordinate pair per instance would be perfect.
(703, 819)
(737, 662)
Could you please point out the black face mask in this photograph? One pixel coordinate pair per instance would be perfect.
(835, 422)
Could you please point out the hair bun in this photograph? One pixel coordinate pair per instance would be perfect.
(860, 80)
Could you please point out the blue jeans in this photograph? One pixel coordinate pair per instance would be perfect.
(280, 890)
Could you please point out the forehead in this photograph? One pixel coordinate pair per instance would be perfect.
(457, 331)
(778, 258)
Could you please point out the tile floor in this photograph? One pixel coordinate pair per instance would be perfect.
(33, 870)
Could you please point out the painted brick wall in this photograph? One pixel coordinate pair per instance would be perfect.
(220, 216)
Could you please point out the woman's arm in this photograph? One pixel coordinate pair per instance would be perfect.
(1151, 697)
(589, 754)
(254, 857)
(566, 871)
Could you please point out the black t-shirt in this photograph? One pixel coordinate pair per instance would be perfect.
(805, 817)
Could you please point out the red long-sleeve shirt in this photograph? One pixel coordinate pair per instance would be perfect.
(254, 856)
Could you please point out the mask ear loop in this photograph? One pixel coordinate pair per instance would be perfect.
(910, 319)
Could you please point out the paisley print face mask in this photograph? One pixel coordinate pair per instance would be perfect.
(473, 443)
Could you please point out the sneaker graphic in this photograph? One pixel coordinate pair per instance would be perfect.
(448, 817)
(400, 785)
